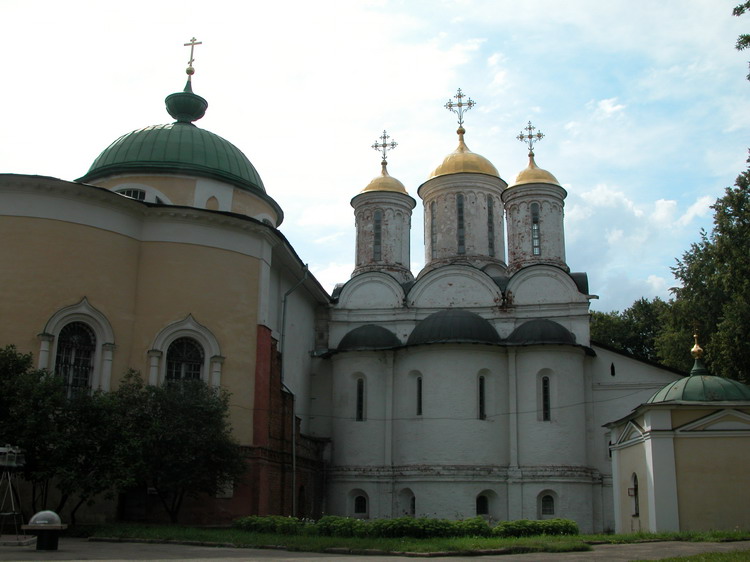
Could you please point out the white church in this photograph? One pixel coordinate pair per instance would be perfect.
(468, 388)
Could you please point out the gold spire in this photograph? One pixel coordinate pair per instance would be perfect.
(190, 70)
(533, 173)
(462, 159)
(384, 182)
(697, 350)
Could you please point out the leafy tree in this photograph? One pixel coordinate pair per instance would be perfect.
(714, 296)
(743, 41)
(634, 330)
(178, 438)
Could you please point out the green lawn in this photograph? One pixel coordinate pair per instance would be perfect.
(311, 543)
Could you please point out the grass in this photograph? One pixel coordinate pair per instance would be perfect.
(312, 543)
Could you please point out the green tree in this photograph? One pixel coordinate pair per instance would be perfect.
(714, 297)
(743, 41)
(178, 439)
(633, 330)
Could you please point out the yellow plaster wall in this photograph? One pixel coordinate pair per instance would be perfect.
(633, 460)
(712, 482)
(220, 289)
(180, 191)
(245, 203)
(53, 265)
(140, 288)
(680, 416)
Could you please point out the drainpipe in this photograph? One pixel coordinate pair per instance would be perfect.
(305, 273)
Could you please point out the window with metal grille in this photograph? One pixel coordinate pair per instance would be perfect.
(546, 409)
(419, 396)
(548, 505)
(482, 400)
(377, 243)
(536, 246)
(74, 361)
(491, 226)
(433, 230)
(360, 413)
(184, 360)
(460, 232)
(137, 194)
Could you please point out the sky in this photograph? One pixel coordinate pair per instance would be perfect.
(643, 106)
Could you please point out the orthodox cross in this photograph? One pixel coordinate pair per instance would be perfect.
(460, 106)
(530, 137)
(384, 145)
(193, 42)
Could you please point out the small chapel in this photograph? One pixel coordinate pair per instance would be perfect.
(468, 388)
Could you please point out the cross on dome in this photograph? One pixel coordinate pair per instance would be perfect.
(193, 42)
(460, 106)
(530, 137)
(384, 145)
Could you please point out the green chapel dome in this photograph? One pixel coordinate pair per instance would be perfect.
(178, 148)
(701, 386)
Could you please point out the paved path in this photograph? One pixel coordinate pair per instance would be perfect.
(81, 549)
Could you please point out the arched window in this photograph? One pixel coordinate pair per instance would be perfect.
(74, 360)
(483, 505)
(185, 350)
(184, 360)
(419, 396)
(536, 247)
(377, 242)
(482, 399)
(546, 408)
(433, 230)
(360, 505)
(360, 411)
(634, 493)
(460, 232)
(547, 505)
(490, 226)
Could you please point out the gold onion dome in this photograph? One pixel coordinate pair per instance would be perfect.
(534, 174)
(463, 160)
(385, 182)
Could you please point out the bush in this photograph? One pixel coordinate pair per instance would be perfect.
(528, 528)
(474, 527)
(336, 526)
(269, 524)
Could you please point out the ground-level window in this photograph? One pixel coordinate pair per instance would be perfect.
(360, 505)
(184, 360)
(548, 505)
(483, 505)
(74, 361)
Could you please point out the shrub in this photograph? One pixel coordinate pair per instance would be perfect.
(336, 526)
(528, 528)
(474, 527)
(269, 524)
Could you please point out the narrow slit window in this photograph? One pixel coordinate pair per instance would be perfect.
(419, 396)
(433, 230)
(377, 243)
(490, 226)
(360, 414)
(460, 232)
(636, 502)
(482, 400)
(545, 399)
(536, 246)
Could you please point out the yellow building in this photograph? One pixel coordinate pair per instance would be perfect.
(165, 257)
(679, 461)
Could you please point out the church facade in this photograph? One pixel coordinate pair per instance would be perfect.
(470, 388)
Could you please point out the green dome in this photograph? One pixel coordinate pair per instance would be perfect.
(702, 387)
(178, 148)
